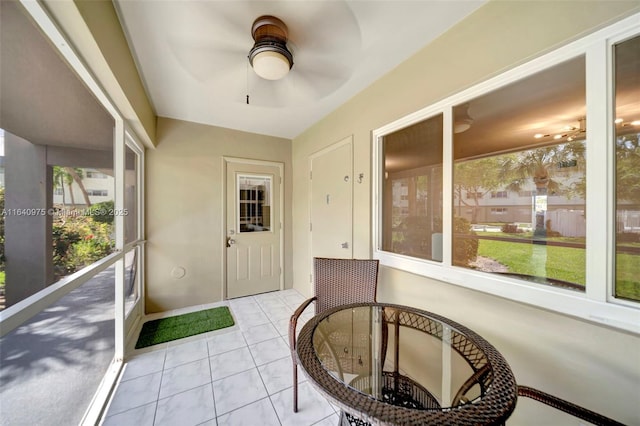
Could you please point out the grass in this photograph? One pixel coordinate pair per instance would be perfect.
(529, 236)
(562, 263)
(167, 329)
(627, 273)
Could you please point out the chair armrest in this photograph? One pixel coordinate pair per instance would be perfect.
(566, 406)
(293, 322)
(477, 378)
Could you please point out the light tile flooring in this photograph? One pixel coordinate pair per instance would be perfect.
(236, 376)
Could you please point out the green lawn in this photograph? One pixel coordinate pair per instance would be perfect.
(562, 263)
(627, 276)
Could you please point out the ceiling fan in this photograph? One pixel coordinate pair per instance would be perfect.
(322, 39)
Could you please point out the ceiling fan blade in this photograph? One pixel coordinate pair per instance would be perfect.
(314, 81)
(222, 49)
(268, 93)
(322, 27)
(223, 28)
(205, 61)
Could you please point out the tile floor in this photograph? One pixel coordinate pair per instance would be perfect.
(236, 376)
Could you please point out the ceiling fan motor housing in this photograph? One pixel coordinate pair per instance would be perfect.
(270, 35)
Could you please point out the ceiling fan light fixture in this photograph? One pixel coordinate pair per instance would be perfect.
(270, 62)
(462, 125)
(462, 121)
(269, 56)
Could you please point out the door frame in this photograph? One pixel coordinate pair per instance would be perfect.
(249, 161)
(347, 140)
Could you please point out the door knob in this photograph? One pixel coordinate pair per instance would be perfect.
(345, 245)
(230, 241)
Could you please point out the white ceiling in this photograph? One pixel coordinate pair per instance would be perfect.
(192, 55)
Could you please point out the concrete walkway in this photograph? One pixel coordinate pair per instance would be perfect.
(51, 366)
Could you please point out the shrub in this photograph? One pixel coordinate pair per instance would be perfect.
(510, 228)
(65, 234)
(465, 249)
(102, 212)
(550, 232)
(88, 250)
(78, 241)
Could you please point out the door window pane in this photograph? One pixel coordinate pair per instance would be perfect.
(412, 190)
(519, 179)
(254, 203)
(627, 121)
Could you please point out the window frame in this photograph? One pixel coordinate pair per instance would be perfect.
(597, 304)
(137, 310)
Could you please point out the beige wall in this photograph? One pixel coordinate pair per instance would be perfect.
(585, 363)
(185, 211)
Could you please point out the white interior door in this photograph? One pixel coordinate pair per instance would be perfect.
(332, 201)
(254, 227)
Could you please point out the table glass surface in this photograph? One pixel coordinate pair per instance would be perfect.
(402, 357)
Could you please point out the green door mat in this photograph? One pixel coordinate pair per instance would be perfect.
(167, 329)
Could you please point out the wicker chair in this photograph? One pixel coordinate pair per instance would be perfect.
(566, 406)
(336, 282)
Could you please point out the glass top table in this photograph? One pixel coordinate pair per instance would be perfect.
(391, 365)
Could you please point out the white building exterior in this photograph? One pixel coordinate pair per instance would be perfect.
(99, 188)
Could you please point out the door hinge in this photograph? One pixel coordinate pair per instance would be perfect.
(310, 226)
(310, 278)
(310, 174)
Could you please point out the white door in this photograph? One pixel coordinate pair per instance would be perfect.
(253, 228)
(331, 203)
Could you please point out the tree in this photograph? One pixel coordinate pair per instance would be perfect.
(627, 168)
(60, 177)
(541, 165)
(77, 174)
(476, 178)
(68, 175)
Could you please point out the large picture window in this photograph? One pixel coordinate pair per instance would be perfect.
(525, 186)
(528, 136)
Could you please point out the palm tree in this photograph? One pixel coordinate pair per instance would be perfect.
(68, 175)
(541, 165)
(77, 174)
(59, 180)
